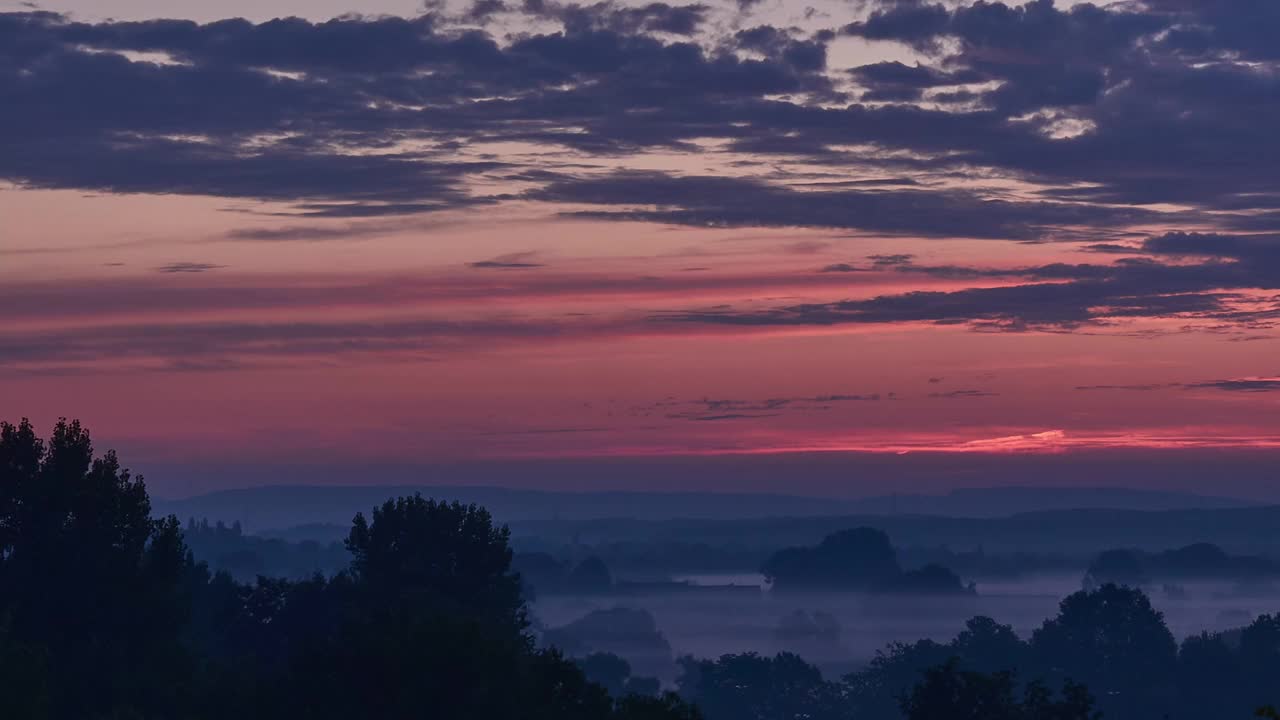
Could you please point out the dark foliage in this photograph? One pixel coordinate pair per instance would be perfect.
(1198, 561)
(1113, 641)
(750, 686)
(955, 694)
(93, 597)
(621, 631)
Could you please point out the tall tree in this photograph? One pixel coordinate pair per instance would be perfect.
(89, 582)
(1114, 642)
(438, 557)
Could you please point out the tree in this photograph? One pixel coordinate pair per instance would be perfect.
(1260, 659)
(1209, 677)
(667, 706)
(614, 675)
(437, 557)
(857, 559)
(752, 687)
(608, 671)
(874, 691)
(987, 646)
(816, 634)
(89, 582)
(24, 680)
(590, 576)
(932, 579)
(1113, 641)
(429, 622)
(949, 693)
(619, 630)
(1117, 567)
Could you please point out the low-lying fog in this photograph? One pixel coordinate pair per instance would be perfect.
(711, 622)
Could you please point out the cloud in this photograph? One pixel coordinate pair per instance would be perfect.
(896, 82)
(1191, 276)
(188, 267)
(1024, 123)
(807, 247)
(1105, 111)
(739, 202)
(1011, 308)
(1111, 249)
(1138, 386)
(891, 260)
(319, 232)
(1252, 385)
(512, 261)
(654, 17)
(963, 394)
(195, 344)
(1240, 385)
(731, 409)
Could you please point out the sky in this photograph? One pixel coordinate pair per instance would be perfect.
(878, 245)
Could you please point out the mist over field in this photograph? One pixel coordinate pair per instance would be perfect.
(681, 585)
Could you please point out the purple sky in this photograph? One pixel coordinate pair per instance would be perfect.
(927, 245)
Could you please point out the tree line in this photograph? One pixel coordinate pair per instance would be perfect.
(105, 614)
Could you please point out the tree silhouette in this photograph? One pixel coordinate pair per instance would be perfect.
(104, 615)
(752, 687)
(983, 646)
(24, 679)
(589, 576)
(667, 706)
(949, 693)
(987, 646)
(932, 579)
(875, 690)
(1117, 567)
(442, 558)
(857, 559)
(1113, 641)
(429, 622)
(88, 581)
(1209, 677)
(620, 630)
(608, 671)
(1260, 659)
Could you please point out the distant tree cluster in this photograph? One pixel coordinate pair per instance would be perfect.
(1200, 561)
(544, 574)
(620, 631)
(817, 632)
(227, 548)
(862, 560)
(658, 555)
(979, 563)
(1107, 651)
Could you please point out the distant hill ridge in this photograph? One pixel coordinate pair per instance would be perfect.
(280, 506)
